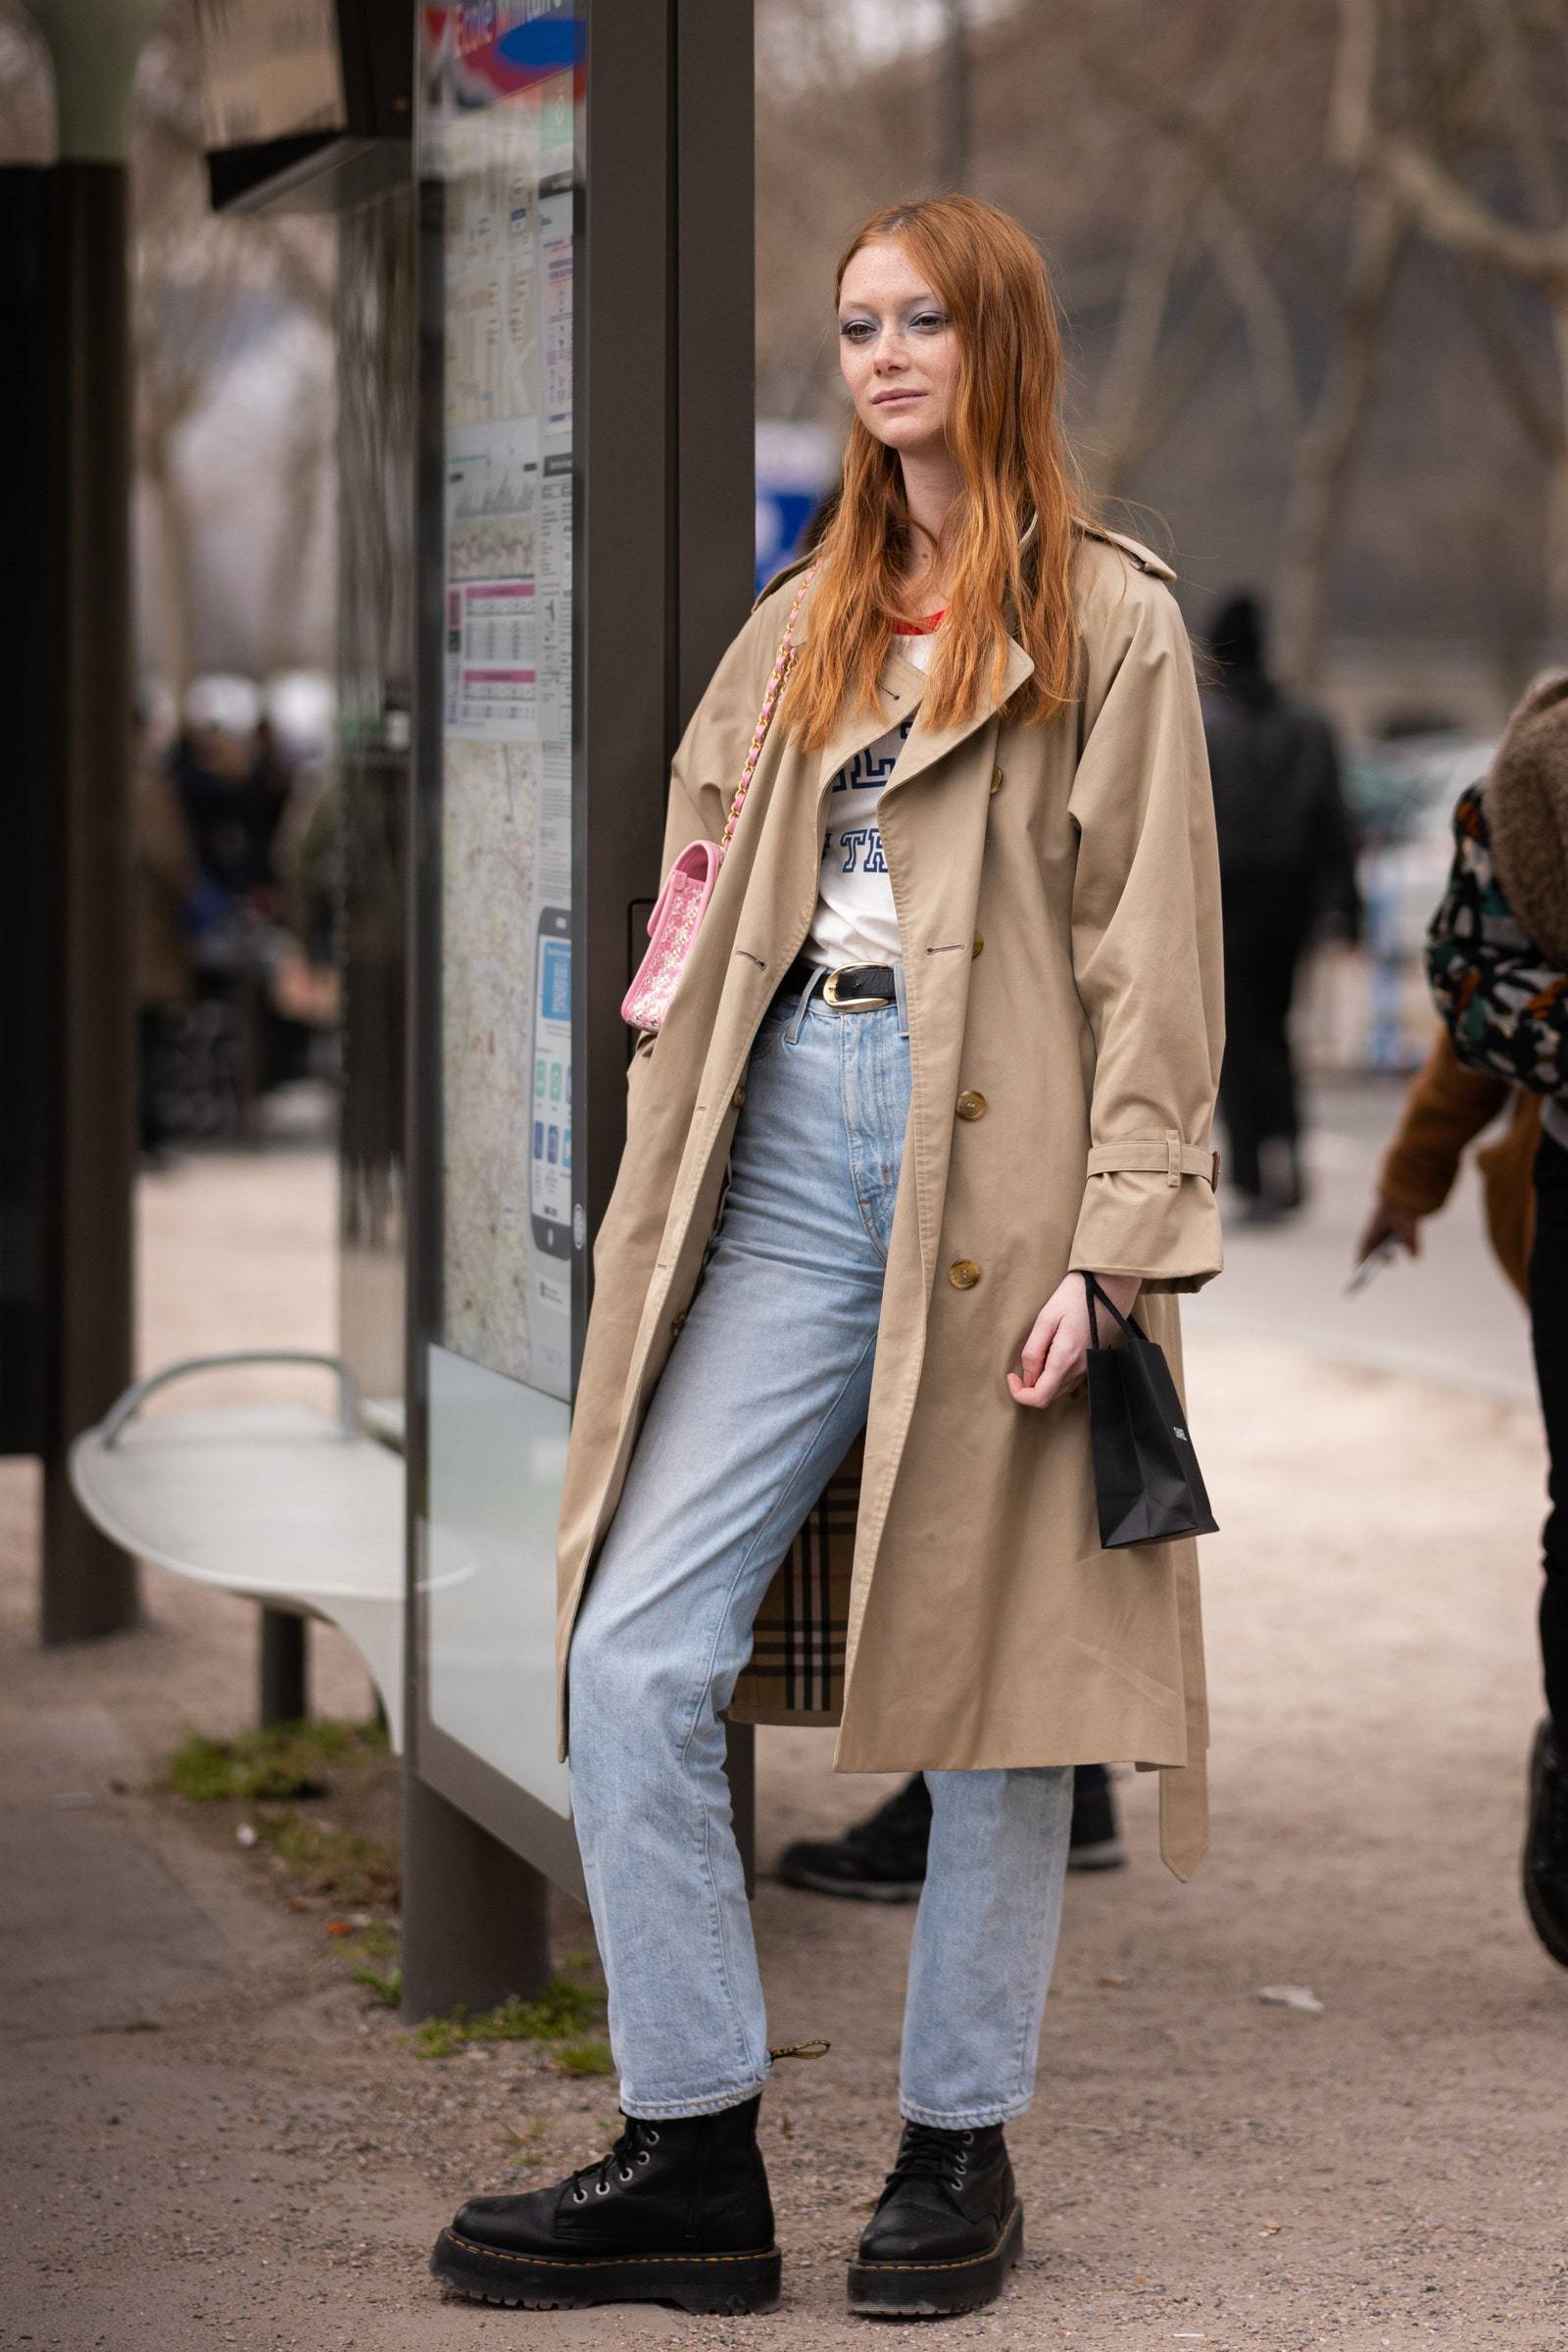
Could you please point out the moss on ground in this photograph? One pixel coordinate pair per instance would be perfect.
(560, 2014)
(274, 1778)
(287, 1762)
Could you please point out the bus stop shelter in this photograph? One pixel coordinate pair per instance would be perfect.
(545, 465)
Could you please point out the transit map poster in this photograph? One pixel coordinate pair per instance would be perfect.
(501, 140)
(501, 96)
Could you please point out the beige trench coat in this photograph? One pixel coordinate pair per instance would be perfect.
(1058, 899)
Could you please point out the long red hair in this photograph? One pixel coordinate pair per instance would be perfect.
(1006, 434)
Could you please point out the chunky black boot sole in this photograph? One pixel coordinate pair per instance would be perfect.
(922, 2290)
(711, 2282)
(1546, 1925)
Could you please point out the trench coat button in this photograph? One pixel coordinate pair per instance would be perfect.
(970, 1104)
(736, 1097)
(675, 1323)
(979, 943)
(996, 779)
(963, 1273)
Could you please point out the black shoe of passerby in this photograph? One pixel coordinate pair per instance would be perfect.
(948, 2230)
(880, 1860)
(1096, 1842)
(1546, 1857)
(678, 2212)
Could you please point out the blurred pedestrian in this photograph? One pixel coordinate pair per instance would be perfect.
(229, 788)
(234, 772)
(1287, 872)
(1498, 959)
(166, 873)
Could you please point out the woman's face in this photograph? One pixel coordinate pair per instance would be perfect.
(897, 350)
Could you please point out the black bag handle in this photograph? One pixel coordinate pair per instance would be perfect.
(1093, 1291)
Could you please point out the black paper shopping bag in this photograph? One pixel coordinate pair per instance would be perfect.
(1148, 1486)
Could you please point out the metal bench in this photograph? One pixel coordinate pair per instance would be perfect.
(277, 1503)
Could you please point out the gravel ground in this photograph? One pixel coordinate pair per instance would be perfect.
(212, 2140)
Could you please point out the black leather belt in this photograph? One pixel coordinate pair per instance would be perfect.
(848, 988)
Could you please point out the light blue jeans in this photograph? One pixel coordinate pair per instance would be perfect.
(764, 1389)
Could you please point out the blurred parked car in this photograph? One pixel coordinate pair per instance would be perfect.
(1402, 792)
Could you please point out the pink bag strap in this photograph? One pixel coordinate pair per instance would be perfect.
(775, 684)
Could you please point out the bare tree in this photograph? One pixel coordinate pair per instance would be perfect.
(1259, 342)
(954, 80)
(27, 89)
(1517, 90)
(199, 285)
(1250, 207)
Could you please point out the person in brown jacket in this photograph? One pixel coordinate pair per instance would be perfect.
(1497, 961)
(1446, 1109)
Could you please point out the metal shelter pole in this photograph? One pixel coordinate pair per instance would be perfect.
(69, 396)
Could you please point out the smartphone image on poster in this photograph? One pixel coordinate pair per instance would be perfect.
(550, 1112)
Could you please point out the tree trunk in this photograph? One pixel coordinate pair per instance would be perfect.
(174, 638)
(1325, 457)
(953, 90)
(1556, 553)
(300, 482)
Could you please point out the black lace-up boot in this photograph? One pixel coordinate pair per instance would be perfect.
(1546, 1857)
(678, 2212)
(948, 2230)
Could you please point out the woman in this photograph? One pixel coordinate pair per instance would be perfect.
(950, 1030)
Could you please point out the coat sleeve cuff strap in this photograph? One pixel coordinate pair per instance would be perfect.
(1156, 1156)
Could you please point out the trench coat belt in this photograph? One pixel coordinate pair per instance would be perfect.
(1152, 1155)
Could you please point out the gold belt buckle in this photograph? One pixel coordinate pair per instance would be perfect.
(830, 996)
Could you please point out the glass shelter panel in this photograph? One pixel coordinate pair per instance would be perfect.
(501, 138)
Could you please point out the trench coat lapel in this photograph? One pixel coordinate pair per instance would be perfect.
(902, 685)
(929, 743)
(902, 689)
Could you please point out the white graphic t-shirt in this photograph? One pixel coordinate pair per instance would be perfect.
(854, 920)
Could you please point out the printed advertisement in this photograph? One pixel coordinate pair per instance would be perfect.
(502, 92)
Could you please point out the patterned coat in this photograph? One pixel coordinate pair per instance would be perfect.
(1504, 1003)
(948, 1601)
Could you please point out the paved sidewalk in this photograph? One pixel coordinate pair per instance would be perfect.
(212, 2141)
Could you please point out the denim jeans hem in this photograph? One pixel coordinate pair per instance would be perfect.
(668, 2111)
(965, 2119)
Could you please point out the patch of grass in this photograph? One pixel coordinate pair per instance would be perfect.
(283, 1764)
(559, 2014)
(322, 1859)
(385, 1984)
(379, 1941)
(589, 2056)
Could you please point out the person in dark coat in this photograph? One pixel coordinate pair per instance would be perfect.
(1287, 871)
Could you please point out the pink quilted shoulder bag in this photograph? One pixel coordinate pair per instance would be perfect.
(689, 884)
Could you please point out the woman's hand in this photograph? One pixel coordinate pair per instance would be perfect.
(1388, 1224)
(1056, 1349)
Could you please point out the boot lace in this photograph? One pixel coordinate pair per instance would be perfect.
(927, 2154)
(629, 2151)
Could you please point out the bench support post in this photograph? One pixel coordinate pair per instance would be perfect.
(283, 1678)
